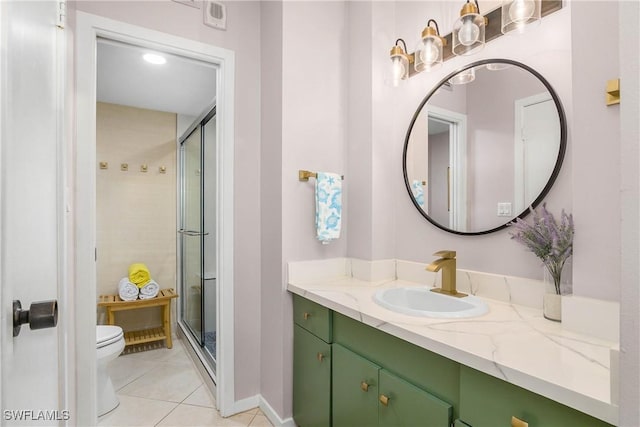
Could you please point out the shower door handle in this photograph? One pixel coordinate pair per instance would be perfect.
(192, 232)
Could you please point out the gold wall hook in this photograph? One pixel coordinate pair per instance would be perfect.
(162, 169)
(104, 165)
(144, 168)
(124, 167)
(613, 92)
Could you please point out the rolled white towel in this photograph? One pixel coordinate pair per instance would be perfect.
(150, 290)
(127, 290)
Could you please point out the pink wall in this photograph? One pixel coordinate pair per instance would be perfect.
(243, 37)
(629, 36)
(303, 127)
(596, 155)
(274, 305)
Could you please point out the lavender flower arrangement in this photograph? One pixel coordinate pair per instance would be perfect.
(548, 240)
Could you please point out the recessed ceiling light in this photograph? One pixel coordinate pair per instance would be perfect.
(155, 59)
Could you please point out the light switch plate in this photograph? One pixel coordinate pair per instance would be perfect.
(504, 209)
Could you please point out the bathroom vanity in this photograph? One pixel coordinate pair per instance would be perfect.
(356, 363)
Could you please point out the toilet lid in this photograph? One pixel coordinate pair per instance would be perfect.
(107, 334)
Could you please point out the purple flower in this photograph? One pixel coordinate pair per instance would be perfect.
(548, 240)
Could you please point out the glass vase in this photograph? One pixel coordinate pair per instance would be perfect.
(551, 301)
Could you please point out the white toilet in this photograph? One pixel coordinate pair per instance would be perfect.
(109, 344)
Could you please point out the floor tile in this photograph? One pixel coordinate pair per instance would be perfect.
(189, 415)
(165, 382)
(137, 411)
(260, 421)
(201, 397)
(163, 387)
(125, 369)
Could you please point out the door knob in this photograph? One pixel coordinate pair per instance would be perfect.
(41, 314)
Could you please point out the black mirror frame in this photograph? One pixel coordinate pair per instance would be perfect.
(556, 169)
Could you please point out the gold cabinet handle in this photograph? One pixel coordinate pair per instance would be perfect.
(384, 400)
(517, 422)
(320, 357)
(306, 316)
(364, 386)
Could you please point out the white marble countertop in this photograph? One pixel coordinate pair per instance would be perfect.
(511, 342)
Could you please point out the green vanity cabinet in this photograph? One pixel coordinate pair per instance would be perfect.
(349, 374)
(355, 389)
(311, 363)
(313, 317)
(487, 401)
(428, 371)
(401, 404)
(366, 395)
(311, 379)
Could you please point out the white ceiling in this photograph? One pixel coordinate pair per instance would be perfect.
(182, 85)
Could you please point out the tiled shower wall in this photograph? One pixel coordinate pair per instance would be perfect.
(136, 211)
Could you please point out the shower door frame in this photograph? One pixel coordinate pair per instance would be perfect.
(209, 114)
(88, 28)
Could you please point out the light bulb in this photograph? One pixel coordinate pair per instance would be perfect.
(521, 10)
(429, 52)
(469, 31)
(398, 70)
(155, 59)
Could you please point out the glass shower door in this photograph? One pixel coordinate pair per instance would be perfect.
(191, 233)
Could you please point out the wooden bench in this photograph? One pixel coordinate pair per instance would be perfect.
(113, 303)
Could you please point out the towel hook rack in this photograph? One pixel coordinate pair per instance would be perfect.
(304, 175)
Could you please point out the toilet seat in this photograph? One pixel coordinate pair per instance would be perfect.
(107, 334)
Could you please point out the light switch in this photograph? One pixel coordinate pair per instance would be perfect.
(504, 209)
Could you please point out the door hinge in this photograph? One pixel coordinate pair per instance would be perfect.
(61, 13)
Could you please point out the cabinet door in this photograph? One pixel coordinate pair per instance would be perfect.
(311, 379)
(487, 401)
(355, 389)
(312, 317)
(402, 404)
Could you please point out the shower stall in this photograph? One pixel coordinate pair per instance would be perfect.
(197, 238)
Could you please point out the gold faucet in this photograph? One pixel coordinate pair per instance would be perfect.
(447, 263)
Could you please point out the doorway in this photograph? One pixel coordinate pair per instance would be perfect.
(447, 167)
(537, 139)
(89, 28)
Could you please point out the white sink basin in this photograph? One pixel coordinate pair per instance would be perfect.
(417, 301)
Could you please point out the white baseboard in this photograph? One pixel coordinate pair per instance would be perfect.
(273, 416)
(244, 405)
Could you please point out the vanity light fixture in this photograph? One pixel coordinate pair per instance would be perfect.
(468, 30)
(497, 66)
(399, 62)
(463, 77)
(470, 33)
(428, 55)
(517, 15)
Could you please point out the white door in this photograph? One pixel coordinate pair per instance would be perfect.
(31, 214)
(537, 143)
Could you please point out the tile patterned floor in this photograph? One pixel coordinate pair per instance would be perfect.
(163, 388)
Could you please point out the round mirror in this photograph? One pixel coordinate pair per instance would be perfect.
(483, 146)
